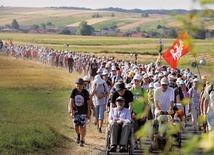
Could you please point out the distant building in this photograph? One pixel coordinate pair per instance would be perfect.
(39, 31)
(24, 28)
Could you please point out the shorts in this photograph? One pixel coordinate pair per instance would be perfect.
(79, 120)
(100, 110)
(210, 120)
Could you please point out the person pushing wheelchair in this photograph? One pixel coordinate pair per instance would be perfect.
(120, 122)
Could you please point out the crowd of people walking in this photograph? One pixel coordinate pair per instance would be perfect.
(115, 86)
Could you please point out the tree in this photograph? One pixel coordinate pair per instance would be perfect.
(200, 34)
(34, 26)
(14, 24)
(65, 31)
(7, 26)
(49, 24)
(43, 26)
(159, 27)
(138, 29)
(172, 33)
(84, 29)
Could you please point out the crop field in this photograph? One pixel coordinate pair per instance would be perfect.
(119, 47)
(68, 17)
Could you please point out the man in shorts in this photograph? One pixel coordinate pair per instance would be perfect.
(79, 109)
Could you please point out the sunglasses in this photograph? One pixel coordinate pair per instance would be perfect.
(120, 90)
(164, 85)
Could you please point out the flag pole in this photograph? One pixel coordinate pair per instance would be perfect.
(160, 49)
(198, 68)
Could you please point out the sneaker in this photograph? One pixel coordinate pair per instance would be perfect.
(113, 148)
(135, 145)
(99, 130)
(123, 149)
(78, 138)
(81, 143)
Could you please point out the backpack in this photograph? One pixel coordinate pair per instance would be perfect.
(211, 89)
(142, 89)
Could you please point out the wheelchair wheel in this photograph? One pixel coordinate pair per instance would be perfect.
(131, 142)
(107, 140)
(179, 139)
(150, 149)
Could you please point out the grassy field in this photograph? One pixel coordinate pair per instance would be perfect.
(119, 47)
(66, 17)
(33, 112)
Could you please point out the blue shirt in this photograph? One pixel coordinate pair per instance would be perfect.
(123, 115)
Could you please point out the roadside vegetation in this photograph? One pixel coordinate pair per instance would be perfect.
(33, 110)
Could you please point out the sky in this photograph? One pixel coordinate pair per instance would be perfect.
(94, 4)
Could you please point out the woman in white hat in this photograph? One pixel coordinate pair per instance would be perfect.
(100, 94)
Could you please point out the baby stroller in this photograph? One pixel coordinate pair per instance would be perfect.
(130, 144)
(160, 139)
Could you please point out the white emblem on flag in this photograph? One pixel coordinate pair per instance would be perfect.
(177, 50)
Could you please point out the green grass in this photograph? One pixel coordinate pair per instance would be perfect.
(33, 109)
(31, 119)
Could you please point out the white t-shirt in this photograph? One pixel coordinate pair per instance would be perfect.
(164, 98)
(210, 97)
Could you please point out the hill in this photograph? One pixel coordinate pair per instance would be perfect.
(125, 21)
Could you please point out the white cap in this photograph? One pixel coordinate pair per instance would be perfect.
(129, 85)
(160, 75)
(164, 80)
(196, 80)
(156, 85)
(181, 82)
(137, 77)
(99, 70)
(151, 85)
(150, 74)
(113, 68)
(145, 76)
(86, 78)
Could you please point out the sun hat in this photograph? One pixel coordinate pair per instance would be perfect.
(98, 80)
(164, 80)
(79, 81)
(105, 72)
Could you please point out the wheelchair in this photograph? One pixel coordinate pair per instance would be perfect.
(130, 144)
(160, 139)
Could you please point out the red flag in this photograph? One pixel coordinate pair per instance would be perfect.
(180, 47)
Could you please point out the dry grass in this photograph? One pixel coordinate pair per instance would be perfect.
(28, 74)
(91, 21)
